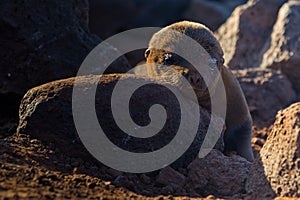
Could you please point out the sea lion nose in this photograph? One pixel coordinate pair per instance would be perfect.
(195, 80)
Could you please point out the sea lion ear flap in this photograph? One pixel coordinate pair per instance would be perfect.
(147, 52)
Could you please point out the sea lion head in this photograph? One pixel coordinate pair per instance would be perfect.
(164, 43)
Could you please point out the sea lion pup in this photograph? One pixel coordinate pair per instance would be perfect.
(238, 134)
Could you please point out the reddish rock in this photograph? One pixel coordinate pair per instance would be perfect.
(277, 170)
(46, 114)
(218, 175)
(266, 91)
(244, 34)
(43, 41)
(284, 48)
(257, 185)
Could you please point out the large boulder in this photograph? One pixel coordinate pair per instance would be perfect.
(284, 48)
(43, 41)
(277, 170)
(266, 91)
(46, 114)
(246, 31)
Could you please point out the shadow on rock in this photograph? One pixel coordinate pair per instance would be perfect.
(46, 116)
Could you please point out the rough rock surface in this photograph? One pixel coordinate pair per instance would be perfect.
(266, 91)
(46, 114)
(218, 12)
(246, 31)
(43, 41)
(280, 156)
(218, 174)
(284, 48)
(32, 170)
(45, 160)
(36, 169)
(169, 176)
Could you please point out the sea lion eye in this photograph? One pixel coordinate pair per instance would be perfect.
(222, 61)
(168, 59)
(167, 56)
(147, 52)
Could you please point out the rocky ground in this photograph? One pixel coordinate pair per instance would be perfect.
(41, 156)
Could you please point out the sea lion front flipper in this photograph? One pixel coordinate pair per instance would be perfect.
(239, 140)
(238, 120)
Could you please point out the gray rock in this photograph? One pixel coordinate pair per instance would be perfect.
(246, 31)
(284, 46)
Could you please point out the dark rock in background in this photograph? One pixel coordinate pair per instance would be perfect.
(42, 42)
(108, 18)
(211, 13)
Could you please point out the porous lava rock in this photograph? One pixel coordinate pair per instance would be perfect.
(266, 91)
(277, 169)
(218, 175)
